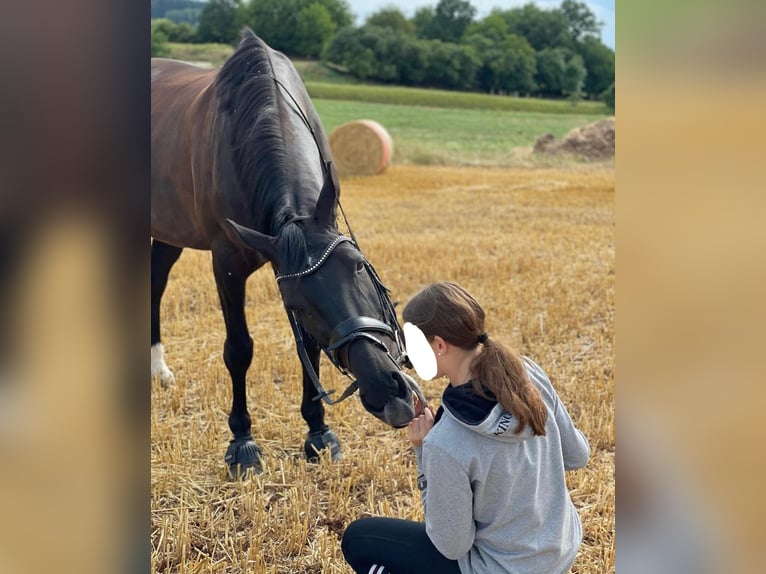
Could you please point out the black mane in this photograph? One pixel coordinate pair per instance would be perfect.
(249, 105)
(293, 253)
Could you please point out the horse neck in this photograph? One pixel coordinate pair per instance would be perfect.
(273, 153)
(303, 175)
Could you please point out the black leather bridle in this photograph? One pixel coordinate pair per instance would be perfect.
(354, 328)
(349, 330)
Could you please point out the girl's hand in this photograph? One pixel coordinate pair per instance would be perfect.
(419, 426)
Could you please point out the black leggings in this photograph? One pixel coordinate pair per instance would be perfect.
(399, 546)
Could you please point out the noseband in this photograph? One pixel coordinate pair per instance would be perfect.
(348, 330)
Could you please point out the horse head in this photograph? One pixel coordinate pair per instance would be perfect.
(330, 290)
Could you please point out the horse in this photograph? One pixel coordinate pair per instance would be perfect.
(241, 166)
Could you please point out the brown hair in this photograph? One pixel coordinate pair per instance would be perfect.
(449, 311)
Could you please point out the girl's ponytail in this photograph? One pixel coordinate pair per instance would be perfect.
(448, 310)
(500, 371)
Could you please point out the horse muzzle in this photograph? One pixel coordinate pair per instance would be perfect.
(407, 402)
(401, 408)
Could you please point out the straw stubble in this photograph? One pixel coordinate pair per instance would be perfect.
(536, 247)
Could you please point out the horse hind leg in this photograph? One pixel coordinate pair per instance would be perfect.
(164, 257)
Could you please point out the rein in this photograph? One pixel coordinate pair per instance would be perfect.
(354, 328)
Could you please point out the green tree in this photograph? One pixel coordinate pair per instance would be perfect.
(551, 69)
(274, 22)
(386, 55)
(493, 27)
(339, 12)
(507, 65)
(450, 20)
(159, 39)
(344, 42)
(165, 27)
(599, 61)
(219, 22)
(541, 28)
(518, 66)
(359, 50)
(393, 19)
(314, 28)
(574, 78)
(184, 33)
(278, 23)
(174, 32)
(413, 61)
(451, 66)
(491, 55)
(608, 97)
(580, 20)
(383, 43)
(177, 10)
(422, 21)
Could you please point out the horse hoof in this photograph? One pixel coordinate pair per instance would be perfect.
(167, 378)
(159, 368)
(243, 457)
(320, 440)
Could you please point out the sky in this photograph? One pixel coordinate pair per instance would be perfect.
(603, 9)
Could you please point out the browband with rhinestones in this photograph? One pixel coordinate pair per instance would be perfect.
(319, 263)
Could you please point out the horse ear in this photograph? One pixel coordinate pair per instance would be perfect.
(251, 239)
(328, 197)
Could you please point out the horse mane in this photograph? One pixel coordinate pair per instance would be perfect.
(293, 252)
(249, 105)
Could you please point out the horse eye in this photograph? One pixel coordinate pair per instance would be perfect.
(360, 266)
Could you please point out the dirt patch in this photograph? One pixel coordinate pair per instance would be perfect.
(592, 142)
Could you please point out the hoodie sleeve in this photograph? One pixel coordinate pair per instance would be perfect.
(574, 445)
(448, 503)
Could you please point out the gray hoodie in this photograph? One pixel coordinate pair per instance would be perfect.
(495, 501)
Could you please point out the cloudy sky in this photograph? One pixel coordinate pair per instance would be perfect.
(603, 9)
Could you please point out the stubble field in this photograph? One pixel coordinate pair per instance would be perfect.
(536, 248)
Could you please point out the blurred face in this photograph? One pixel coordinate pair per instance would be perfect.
(421, 351)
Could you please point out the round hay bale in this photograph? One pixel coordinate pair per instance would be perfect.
(361, 147)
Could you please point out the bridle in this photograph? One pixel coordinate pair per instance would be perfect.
(354, 328)
(348, 330)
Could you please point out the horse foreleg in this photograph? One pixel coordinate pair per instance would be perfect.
(231, 274)
(164, 257)
(320, 436)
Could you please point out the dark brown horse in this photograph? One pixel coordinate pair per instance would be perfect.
(244, 144)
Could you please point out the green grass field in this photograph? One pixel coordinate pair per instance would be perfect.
(448, 99)
(442, 136)
(211, 54)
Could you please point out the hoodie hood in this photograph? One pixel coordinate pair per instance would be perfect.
(481, 415)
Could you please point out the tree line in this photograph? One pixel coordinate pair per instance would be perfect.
(526, 50)
(180, 11)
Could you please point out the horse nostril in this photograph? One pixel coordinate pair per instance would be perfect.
(401, 384)
(377, 411)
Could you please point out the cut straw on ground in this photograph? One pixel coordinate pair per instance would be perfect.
(536, 248)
